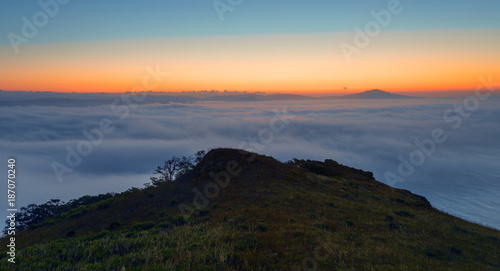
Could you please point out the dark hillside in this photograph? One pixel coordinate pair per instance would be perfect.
(243, 211)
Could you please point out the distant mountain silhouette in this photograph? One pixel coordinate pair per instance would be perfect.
(374, 94)
(23, 98)
(257, 98)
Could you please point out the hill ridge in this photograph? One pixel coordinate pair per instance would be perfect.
(266, 215)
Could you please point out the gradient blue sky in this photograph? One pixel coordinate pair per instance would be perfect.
(127, 19)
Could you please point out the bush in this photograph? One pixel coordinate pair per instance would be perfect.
(261, 227)
(78, 212)
(393, 226)
(142, 226)
(115, 224)
(404, 213)
(33, 215)
(235, 220)
(455, 250)
(71, 233)
(242, 227)
(105, 203)
(163, 225)
(246, 243)
(100, 235)
(201, 212)
(173, 201)
(177, 220)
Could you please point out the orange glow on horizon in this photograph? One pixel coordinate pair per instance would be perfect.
(310, 63)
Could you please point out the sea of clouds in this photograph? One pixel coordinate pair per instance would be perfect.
(461, 175)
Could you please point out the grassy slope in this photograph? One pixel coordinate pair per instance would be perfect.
(271, 216)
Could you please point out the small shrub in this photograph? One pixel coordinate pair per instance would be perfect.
(494, 239)
(201, 212)
(233, 258)
(71, 233)
(163, 225)
(194, 246)
(201, 228)
(349, 223)
(398, 200)
(246, 243)
(177, 220)
(455, 250)
(173, 201)
(48, 221)
(325, 226)
(78, 212)
(131, 234)
(457, 228)
(434, 254)
(393, 226)
(115, 225)
(132, 190)
(236, 220)
(105, 203)
(142, 226)
(404, 213)
(242, 227)
(100, 235)
(262, 227)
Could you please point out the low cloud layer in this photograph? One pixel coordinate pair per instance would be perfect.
(461, 176)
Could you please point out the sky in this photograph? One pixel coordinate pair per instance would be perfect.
(275, 46)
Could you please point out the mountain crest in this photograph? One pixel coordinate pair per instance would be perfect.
(375, 94)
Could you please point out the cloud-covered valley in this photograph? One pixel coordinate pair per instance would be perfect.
(461, 176)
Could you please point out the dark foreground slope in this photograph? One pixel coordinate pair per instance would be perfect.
(267, 216)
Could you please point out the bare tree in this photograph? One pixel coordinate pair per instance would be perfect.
(168, 171)
(185, 165)
(175, 167)
(198, 156)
